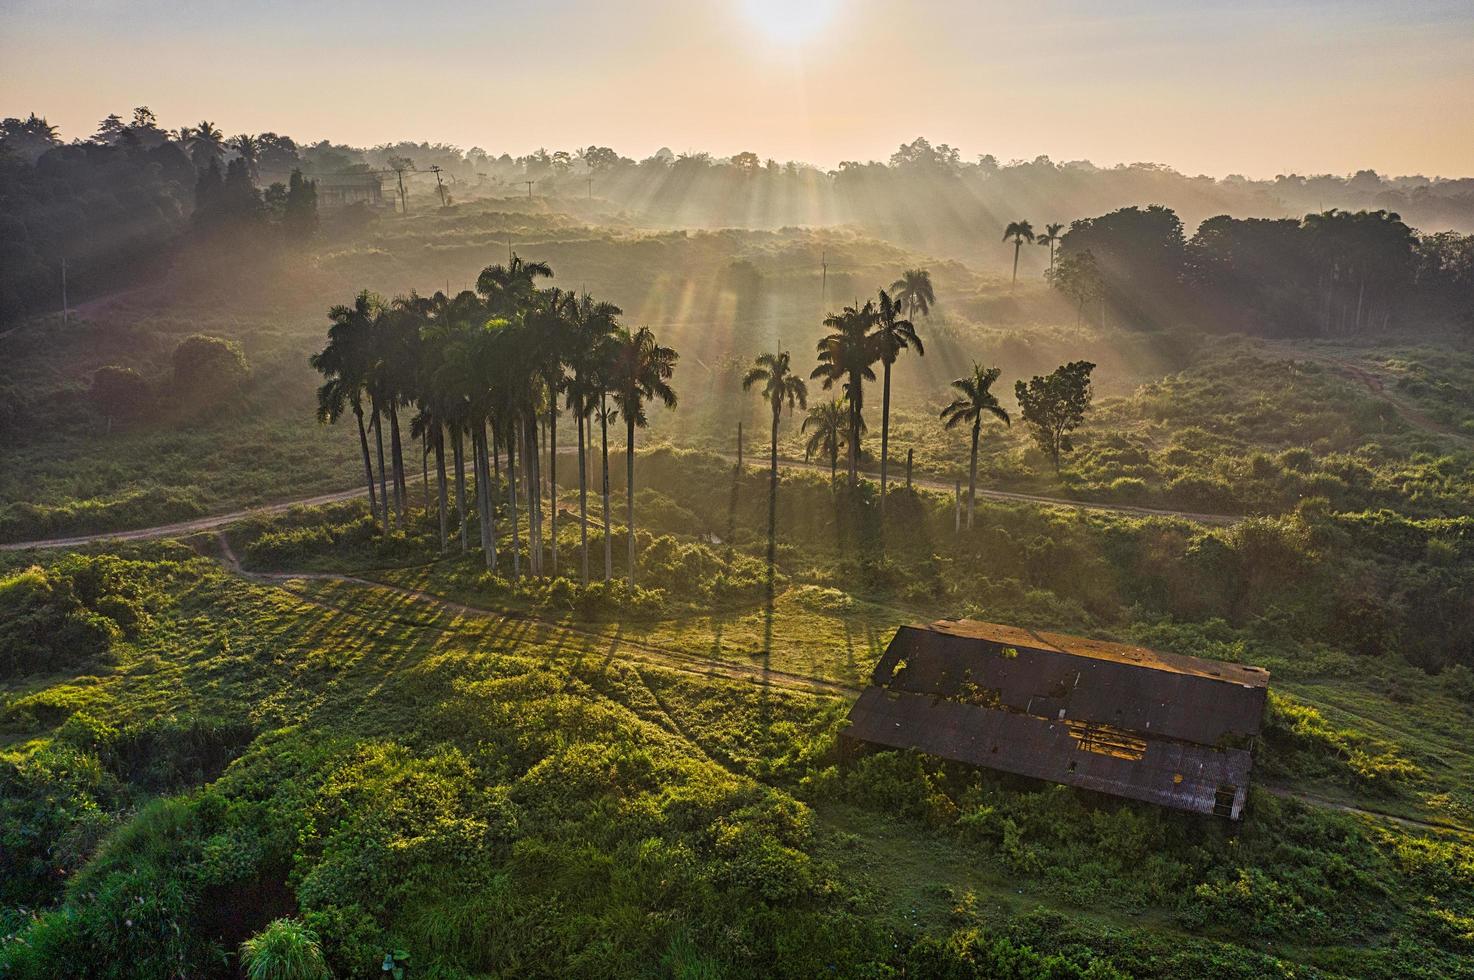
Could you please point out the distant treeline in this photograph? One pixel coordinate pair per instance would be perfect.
(125, 195)
(1333, 273)
(115, 207)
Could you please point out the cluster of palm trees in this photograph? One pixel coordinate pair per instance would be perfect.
(1020, 232)
(488, 372)
(860, 336)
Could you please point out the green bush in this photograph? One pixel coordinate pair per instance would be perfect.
(284, 950)
(70, 613)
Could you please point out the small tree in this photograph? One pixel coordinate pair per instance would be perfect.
(208, 369)
(120, 393)
(1054, 406)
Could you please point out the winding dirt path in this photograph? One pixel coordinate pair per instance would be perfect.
(213, 522)
(1377, 386)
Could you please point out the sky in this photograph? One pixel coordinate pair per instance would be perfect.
(1249, 87)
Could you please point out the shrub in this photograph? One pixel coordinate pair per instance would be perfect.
(71, 613)
(284, 950)
(120, 394)
(208, 369)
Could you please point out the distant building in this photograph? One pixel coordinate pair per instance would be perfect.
(1159, 727)
(342, 189)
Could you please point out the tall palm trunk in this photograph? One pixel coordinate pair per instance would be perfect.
(397, 456)
(553, 481)
(608, 528)
(629, 491)
(383, 486)
(483, 497)
(885, 433)
(460, 461)
(854, 447)
(1018, 243)
(368, 465)
(972, 473)
(583, 497)
(532, 466)
(425, 471)
(773, 483)
(512, 499)
(440, 477)
(833, 463)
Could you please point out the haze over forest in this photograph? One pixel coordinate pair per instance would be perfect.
(687, 489)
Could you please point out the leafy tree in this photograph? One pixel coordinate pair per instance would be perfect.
(205, 142)
(893, 334)
(846, 356)
(975, 399)
(914, 292)
(1020, 232)
(508, 288)
(1077, 277)
(120, 393)
(639, 371)
(299, 215)
(249, 151)
(1141, 258)
(208, 370)
(780, 385)
(1050, 239)
(1054, 406)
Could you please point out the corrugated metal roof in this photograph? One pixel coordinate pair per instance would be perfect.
(1122, 719)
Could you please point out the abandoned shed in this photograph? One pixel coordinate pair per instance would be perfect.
(1120, 719)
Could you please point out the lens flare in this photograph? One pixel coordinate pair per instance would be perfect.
(790, 21)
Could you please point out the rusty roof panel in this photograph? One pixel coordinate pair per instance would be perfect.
(1198, 700)
(1176, 774)
(1111, 717)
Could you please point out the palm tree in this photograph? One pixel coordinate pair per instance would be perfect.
(913, 291)
(846, 354)
(640, 371)
(831, 422)
(345, 364)
(509, 289)
(975, 399)
(894, 335)
(780, 385)
(249, 150)
(206, 143)
(1020, 232)
(590, 323)
(1050, 239)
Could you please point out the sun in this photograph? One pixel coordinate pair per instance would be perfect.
(790, 21)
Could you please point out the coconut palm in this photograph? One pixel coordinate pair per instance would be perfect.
(1050, 239)
(780, 385)
(345, 364)
(249, 150)
(893, 334)
(206, 143)
(830, 422)
(639, 371)
(846, 354)
(1020, 232)
(975, 399)
(913, 292)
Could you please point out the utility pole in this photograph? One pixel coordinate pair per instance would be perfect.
(403, 202)
(529, 184)
(823, 279)
(910, 454)
(66, 312)
(739, 447)
(438, 185)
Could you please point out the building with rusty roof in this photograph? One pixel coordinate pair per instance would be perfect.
(1110, 717)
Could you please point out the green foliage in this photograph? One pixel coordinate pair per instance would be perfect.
(120, 393)
(71, 613)
(1054, 406)
(284, 950)
(207, 370)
